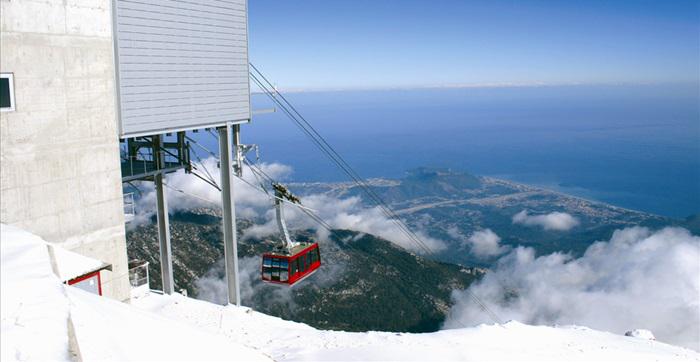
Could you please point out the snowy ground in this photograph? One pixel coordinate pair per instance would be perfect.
(33, 302)
(37, 307)
(290, 341)
(37, 311)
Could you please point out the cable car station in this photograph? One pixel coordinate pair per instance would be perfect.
(164, 90)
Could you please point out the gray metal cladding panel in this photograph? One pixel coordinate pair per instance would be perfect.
(181, 64)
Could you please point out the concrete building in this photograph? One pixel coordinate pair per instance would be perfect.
(60, 172)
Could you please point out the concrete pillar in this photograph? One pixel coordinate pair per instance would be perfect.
(229, 214)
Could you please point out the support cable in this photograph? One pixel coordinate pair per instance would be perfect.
(320, 143)
(213, 134)
(201, 146)
(213, 184)
(259, 173)
(190, 194)
(327, 149)
(204, 168)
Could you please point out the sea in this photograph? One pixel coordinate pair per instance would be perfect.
(633, 146)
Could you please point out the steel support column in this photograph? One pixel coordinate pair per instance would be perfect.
(166, 260)
(229, 212)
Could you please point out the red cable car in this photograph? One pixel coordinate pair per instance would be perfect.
(293, 261)
(280, 268)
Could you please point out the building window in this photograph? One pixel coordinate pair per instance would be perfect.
(7, 92)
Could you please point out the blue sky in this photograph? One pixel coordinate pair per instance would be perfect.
(403, 43)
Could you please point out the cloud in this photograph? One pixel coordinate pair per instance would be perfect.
(212, 286)
(259, 295)
(559, 221)
(638, 279)
(186, 192)
(482, 244)
(485, 243)
(348, 213)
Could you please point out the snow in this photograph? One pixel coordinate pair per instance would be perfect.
(33, 303)
(72, 265)
(290, 341)
(108, 330)
(37, 309)
(641, 333)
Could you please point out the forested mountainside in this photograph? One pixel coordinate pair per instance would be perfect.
(365, 282)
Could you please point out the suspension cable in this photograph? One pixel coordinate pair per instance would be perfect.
(201, 146)
(190, 194)
(213, 134)
(259, 172)
(320, 142)
(204, 168)
(323, 145)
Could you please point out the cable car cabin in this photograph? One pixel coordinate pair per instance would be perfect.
(288, 269)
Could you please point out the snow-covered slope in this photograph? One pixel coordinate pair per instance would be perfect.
(33, 303)
(37, 311)
(36, 307)
(513, 341)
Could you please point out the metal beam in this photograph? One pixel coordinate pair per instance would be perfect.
(238, 156)
(264, 111)
(229, 212)
(166, 261)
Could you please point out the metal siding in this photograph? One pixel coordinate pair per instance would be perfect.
(181, 64)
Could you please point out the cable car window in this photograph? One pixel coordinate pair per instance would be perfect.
(266, 274)
(275, 263)
(267, 262)
(284, 264)
(295, 267)
(302, 263)
(284, 276)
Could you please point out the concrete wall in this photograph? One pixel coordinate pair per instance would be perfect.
(59, 154)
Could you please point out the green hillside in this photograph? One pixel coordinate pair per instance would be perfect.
(365, 283)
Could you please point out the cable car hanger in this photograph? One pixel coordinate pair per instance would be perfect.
(293, 261)
(320, 142)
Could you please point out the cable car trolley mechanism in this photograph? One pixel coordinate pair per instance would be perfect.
(292, 261)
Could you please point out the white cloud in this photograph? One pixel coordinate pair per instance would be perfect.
(212, 286)
(638, 279)
(482, 244)
(350, 214)
(485, 243)
(198, 193)
(560, 221)
(251, 203)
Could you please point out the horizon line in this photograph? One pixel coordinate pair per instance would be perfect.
(472, 86)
